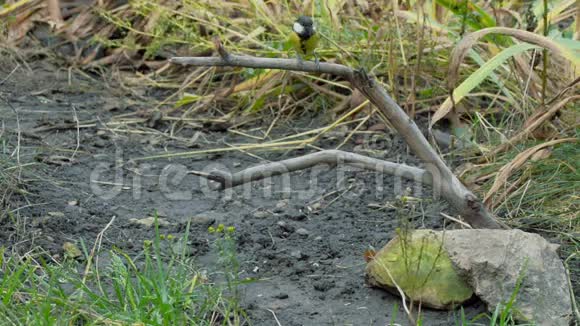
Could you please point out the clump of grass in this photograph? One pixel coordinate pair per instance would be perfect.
(545, 207)
(543, 193)
(225, 245)
(146, 289)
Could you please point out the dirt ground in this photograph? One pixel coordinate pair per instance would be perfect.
(304, 243)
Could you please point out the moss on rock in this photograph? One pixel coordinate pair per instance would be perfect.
(420, 266)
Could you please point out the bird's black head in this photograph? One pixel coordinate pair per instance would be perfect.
(304, 27)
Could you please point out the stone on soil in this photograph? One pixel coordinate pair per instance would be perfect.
(485, 262)
(493, 260)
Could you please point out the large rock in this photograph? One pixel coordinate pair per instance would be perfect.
(492, 261)
(420, 266)
(489, 262)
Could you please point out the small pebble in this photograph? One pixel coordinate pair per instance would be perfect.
(296, 254)
(323, 285)
(99, 143)
(281, 296)
(302, 231)
(280, 206)
(286, 227)
(316, 206)
(261, 214)
(202, 220)
(295, 214)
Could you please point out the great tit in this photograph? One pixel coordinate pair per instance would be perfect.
(304, 38)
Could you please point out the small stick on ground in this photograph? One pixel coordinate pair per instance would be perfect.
(456, 220)
(275, 318)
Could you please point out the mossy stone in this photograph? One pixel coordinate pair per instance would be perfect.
(421, 267)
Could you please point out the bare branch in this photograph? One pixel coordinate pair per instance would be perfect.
(232, 60)
(330, 157)
(465, 202)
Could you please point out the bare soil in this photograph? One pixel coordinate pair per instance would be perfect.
(304, 244)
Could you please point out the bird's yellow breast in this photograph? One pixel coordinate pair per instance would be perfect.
(304, 47)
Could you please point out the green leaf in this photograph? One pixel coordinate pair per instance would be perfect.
(187, 98)
(494, 78)
(485, 71)
(413, 18)
(475, 16)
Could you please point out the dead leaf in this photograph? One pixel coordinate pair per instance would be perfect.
(23, 23)
(379, 127)
(357, 98)
(369, 255)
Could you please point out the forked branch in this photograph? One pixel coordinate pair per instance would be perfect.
(465, 202)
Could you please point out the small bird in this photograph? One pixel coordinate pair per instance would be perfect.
(304, 37)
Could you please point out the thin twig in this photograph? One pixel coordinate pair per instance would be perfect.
(76, 120)
(456, 220)
(338, 197)
(9, 75)
(276, 318)
(400, 290)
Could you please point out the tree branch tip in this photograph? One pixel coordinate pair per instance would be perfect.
(217, 177)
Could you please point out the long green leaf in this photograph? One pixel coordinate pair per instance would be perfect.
(483, 72)
(412, 17)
